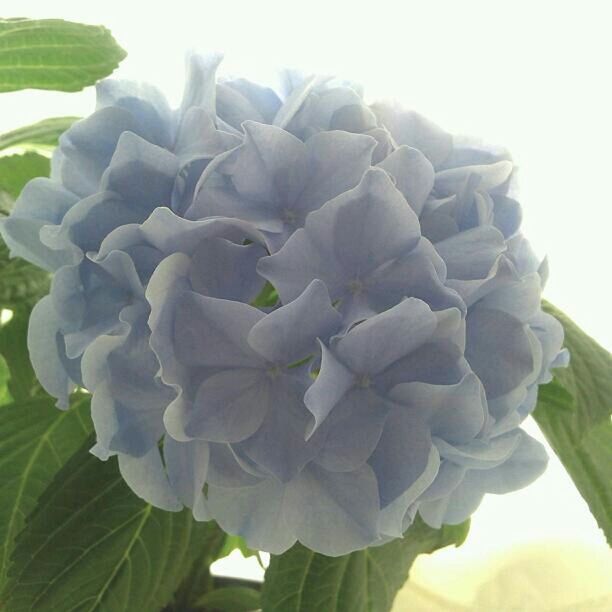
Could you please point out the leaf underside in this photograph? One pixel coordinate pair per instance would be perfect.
(574, 412)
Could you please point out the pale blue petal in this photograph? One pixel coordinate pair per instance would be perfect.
(47, 353)
(499, 350)
(352, 430)
(21, 229)
(471, 254)
(127, 399)
(345, 240)
(200, 87)
(142, 173)
(88, 146)
(409, 128)
(526, 463)
(372, 346)
(145, 103)
(413, 174)
(332, 382)
(402, 453)
(278, 446)
(223, 269)
(489, 175)
(240, 100)
(230, 406)
(257, 513)
(290, 333)
(213, 332)
(455, 413)
(147, 477)
(187, 466)
(395, 517)
(345, 502)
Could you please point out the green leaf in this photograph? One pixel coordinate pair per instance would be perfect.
(574, 412)
(54, 54)
(23, 384)
(43, 134)
(36, 439)
(6, 203)
(231, 599)
(20, 282)
(364, 581)
(268, 296)
(91, 544)
(5, 396)
(17, 170)
(199, 579)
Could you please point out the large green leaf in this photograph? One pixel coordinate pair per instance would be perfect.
(230, 599)
(17, 170)
(5, 396)
(36, 439)
(23, 384)
(54, 54)
(20, 282)
(91, 544)
(574, 412)
(365, 581)
(43, 134)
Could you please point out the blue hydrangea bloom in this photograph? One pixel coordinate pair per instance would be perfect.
(305, 317)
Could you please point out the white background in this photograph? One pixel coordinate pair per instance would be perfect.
(533, 76)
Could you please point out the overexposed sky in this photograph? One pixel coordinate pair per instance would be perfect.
(530, 75)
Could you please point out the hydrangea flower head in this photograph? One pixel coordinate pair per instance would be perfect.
(303, 316)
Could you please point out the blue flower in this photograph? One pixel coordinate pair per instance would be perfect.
(302, 316)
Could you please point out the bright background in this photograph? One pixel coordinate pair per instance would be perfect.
(531, 75)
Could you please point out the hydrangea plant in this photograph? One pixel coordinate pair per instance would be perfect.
(299, 315)
(296, 320)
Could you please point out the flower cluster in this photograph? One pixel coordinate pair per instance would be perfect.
(299, 315)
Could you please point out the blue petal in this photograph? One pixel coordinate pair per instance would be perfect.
(128, 401)
(145, 103)
(142, 173)
(47, 353)
(230, 406)
(345, 502)
(345, 240)
(257, 513)
(526, 463)
(499, 350)
(352, 430)
(21, 230)
(489, 175)
(222, 269)
(290, 333)
(200, 87)
(409, 128)
(187, 466)
(332, 382)
(278, 446)
(86, 149)
(402, 453)
(413, 174)
(372, 346)
(147, 477)
(213, 332)
(471, 254)
(239, 100)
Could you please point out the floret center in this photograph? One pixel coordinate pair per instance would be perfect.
(274, 371)
(289, 216)
(364, 381)
(355, 286)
